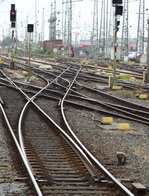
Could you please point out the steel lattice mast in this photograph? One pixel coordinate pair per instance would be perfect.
(65, 26)
(52, 21)
(69, 24)
(140, 31)
(42, 26)
(111, 26)
(124, 41)
(35, 22)
(107, 27)
(94, 34)
(102, 29)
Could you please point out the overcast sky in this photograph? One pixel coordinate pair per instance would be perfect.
(82, 15)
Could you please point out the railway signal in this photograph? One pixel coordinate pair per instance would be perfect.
(30, 29)
(12, 15)
(117, 2)
(118, 12)
(13, 25)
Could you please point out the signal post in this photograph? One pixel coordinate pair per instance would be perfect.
(13, 25)
(30, 29)
(118, 12)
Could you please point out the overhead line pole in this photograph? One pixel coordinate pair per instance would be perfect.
(124, 41)
(140, 31)
(94, 34)
(35, 22)
(68, 24)
(118, 12)
(148, 53)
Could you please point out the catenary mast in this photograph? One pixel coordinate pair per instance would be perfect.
(124, 41)
(111, 26)
(94, 34)
(140, 31)
(42, 26)
(52, 21)
(102, 29)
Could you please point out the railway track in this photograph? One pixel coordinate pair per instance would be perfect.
(96, 97)
(87, 72)
(51, 153)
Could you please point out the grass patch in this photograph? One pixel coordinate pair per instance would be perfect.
(126, 94)
(124, 77)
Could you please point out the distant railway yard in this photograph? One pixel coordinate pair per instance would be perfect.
(65, 131)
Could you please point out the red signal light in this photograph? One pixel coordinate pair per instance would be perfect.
(12, 15)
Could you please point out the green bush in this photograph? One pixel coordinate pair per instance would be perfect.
(124, 77)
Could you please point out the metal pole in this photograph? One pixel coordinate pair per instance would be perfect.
(29, 48)
(12, 44)
(107, 20)
(35, 22)
(148, 54)
(12, 62)
(69, 29)
(115, 52)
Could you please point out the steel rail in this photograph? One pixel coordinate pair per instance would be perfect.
(121, 109)
(21, 118)
(118, 183)
(51, 120)
(21, 145)
(21, 153)
(121, 82)
(38, 69)
(25, 106)
(77, 104)
(106, 94)
(140, 118)
(93, 171)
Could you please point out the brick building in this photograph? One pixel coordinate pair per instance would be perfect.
(52, 44)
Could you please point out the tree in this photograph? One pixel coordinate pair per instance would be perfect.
(7, 41)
